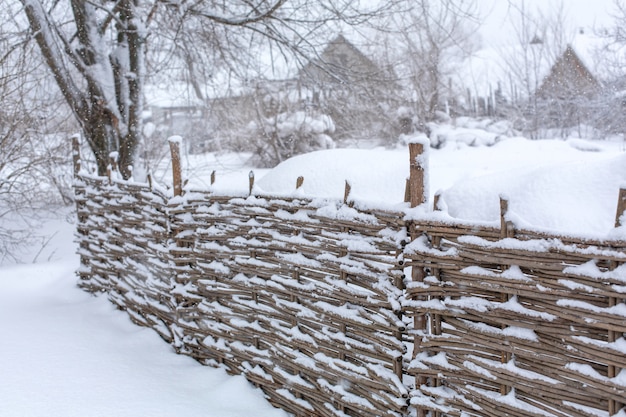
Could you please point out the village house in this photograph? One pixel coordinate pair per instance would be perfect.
(342, 82)
(569, 78)
(539, 88)
(359, 95)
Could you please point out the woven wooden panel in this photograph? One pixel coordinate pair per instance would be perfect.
(123, 236)
(303, 299)
(519, 327)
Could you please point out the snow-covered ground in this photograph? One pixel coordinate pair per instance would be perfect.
(66, 353)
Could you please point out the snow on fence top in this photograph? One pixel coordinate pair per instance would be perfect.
(337, 310)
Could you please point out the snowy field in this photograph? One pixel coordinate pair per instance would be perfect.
(65, 353)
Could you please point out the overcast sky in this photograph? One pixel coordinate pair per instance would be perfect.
(585, 13)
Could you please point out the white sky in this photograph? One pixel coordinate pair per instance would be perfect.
(585, 13)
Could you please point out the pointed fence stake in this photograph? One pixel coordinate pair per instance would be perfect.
(504, 208)
(212, 177)
(417, 186)
(621, 206)
(346, 192)
(250, 182)
(507, 228)
(436, 201)
(299, 182)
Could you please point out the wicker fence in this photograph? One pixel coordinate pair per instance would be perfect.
(334, 310)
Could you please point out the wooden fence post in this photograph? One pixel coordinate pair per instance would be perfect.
(416, 195)
(346, 193)
(507, 228)
(250, 182)
(417, 173)
(436, 201)
(177, 175)
(621, 206)
(613, 371)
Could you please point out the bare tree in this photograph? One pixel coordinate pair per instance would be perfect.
(610, 107)
(540, 38)
(426, 42)
(97, 50)
(35, 172)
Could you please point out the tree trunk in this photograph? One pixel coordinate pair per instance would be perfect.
(109, 108)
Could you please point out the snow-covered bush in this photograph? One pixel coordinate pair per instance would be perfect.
(287, 134)
(468, 132)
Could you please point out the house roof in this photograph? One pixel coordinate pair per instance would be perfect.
(341, 62)
(520, 70)
(568, 77)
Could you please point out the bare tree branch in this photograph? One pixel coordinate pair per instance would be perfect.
(255, 15)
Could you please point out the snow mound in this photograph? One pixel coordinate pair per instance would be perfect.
(563, 186)
(375, 175)
(579, 198)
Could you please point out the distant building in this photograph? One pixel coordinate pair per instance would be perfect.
(538, 87)
(569, 78)
(341, 82)
(341, 66)
(358, 94)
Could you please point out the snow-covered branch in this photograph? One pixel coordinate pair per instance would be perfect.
(49, 42)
